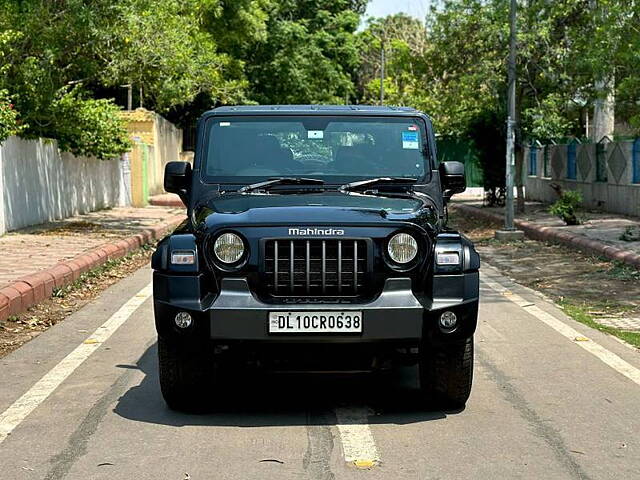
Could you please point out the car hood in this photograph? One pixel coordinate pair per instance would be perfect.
(326, 208)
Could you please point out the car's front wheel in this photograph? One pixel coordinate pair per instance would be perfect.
(446, 373)
(187, 375)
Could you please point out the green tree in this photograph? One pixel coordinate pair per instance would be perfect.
(309, 55)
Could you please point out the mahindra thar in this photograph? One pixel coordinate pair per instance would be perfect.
(315, 240)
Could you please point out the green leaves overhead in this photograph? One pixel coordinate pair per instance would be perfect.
(57, 57)
(309, 53)
(190, 55)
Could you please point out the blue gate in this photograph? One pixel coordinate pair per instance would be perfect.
(571, 160)
(533, 159)
(635, 160)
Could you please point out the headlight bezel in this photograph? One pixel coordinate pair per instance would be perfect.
(393, 262)
(222, 264)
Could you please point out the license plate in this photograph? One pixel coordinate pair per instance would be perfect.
(315, 322)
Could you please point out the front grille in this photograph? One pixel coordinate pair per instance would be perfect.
(315, 268)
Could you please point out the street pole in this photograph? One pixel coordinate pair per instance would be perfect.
(509, 233)
(382, 61)
(511, 121)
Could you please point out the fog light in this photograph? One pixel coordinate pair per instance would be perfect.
(448, 320)
(183, 320)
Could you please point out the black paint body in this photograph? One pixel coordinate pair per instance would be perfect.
(400, 306)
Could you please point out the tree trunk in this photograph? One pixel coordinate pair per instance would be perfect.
(604, 110)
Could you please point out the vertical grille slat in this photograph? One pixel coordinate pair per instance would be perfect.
(292, 261)
(308, 269)
(339, 266)
(355, 266)
(315, 267)
(275, 266)
(324, 267)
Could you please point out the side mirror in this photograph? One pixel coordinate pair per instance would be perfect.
(452, 178)
(177, 179)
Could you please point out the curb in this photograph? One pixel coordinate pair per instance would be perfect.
(166, 200)
(36, 287)
(551, 234)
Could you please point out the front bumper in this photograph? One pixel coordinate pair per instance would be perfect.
(235, 314)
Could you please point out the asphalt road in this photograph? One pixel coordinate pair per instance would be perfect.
(552, 399)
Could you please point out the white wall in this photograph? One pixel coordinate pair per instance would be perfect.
(38, 183)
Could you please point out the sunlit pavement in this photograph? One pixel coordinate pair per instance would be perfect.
(551, 399)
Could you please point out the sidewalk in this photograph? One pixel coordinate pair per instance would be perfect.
(599, 234)
(37, 259)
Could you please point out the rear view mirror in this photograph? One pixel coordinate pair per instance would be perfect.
(177, 179)
(452, 178)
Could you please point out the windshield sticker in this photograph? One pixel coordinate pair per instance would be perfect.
(315, 134)
(410, 141)
(413, 128)
(225, 124)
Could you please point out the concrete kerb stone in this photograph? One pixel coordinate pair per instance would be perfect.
(27, 295)
(62, 275)
(33, 288)
(15, 301)
(580, 242)
(96, 259)
(41, 284)
(5, 304)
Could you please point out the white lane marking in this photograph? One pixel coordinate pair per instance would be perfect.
(357, 440)
(609, 358)
(21, 408)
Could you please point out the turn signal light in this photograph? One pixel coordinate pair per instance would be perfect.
(184, 257)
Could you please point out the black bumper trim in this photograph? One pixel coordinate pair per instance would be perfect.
(238, 315)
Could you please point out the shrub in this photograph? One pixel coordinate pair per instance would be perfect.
(86, 126)
(566, 207)
(9, 118)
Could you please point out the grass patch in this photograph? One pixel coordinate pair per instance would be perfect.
(624, 272)
(581, 314)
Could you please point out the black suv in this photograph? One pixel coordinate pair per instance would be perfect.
(315, 238)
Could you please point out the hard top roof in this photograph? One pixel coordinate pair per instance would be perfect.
(314, 110)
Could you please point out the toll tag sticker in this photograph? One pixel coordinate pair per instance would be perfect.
(410, 141)
(315, 134)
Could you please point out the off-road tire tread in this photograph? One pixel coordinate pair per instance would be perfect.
(186, 376)
(446, 373)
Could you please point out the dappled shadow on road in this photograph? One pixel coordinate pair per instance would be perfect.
(254, 399)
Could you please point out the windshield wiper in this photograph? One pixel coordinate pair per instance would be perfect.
(364, 184)
(267, 184)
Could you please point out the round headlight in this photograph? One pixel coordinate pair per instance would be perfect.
(402, 248)
(228, 248)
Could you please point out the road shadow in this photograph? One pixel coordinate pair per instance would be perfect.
(261, 399)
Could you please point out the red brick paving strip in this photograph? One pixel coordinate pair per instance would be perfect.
(38, 286)
(166, 200)
(550, 234)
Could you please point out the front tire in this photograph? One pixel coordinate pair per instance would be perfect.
(446, 373)
(186, 375)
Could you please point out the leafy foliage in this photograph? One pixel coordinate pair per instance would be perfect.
(190, 55)
(86, 126)
(309, 53)
(566, 207)
(9, 118)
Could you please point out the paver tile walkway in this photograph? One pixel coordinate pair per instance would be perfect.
(32, 249)
(602, 226)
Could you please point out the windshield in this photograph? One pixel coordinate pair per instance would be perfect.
(242, 150)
